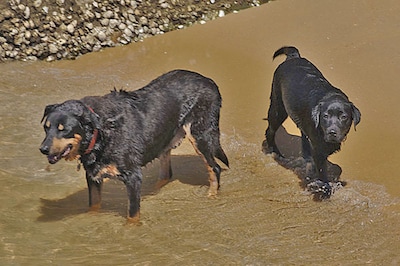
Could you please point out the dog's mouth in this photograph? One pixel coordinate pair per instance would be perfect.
(331, 139)
(335, 139)
(54, 158)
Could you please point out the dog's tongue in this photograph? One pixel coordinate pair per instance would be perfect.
(53, 158)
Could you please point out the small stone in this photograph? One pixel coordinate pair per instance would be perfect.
(133, 4)
(108, 14)
(89, 14)
(70, 28)
(18, 40)
(89, 25)
(50, 58)
(7, 14)
(121, 26)
(26, 24)
(128, 32)
(28, 35)
(143, 20)
(53, 49)
(37, 3)
(101, 36)
(114, 22)
(104, 21)
(132, 18)
(27, 12)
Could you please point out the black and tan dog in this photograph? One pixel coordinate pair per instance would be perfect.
(322, 112)
(116, 134)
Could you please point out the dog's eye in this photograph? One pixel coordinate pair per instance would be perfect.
(325, 116)
(343, 117)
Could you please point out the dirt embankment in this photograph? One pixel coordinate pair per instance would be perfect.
(57, 29)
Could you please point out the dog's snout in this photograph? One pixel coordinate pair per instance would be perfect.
(44, 149)
(332, 133)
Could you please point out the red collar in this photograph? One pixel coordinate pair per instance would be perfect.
(92, 142)
(94, 137)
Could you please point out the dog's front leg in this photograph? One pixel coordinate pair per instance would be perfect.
(133, 183)
(323, 189)
(94, 187)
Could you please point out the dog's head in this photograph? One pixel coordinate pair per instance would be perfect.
(69, 127)
(335, 118)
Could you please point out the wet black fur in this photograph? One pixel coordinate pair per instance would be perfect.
(136, 127)
(322, 112)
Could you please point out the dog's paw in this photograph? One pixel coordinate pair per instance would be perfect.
(266, 149)
(321, 190)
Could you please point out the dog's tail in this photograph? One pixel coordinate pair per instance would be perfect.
(289, 51)
(220, 154)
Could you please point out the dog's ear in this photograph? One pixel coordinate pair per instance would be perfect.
(356, 114)
(88, 116)
(49, 108)
(315, 114)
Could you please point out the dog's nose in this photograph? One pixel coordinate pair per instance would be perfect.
(44, 149)
(332, 133)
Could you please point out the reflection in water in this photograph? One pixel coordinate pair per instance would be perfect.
(261, 215)
(114, 194)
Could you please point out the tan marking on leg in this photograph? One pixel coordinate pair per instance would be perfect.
(135, 220)
(212, 178)
(186, 127)
(95, 207)
(108, 171)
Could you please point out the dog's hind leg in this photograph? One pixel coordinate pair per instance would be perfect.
(276, 116)
(165, 169)
(202, 142)
(94, 187)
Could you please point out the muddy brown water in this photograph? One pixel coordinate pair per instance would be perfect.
(261, 216)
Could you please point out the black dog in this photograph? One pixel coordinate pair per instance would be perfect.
(322, 112)
(116, 134)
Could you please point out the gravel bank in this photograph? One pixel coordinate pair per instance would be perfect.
(56, 29)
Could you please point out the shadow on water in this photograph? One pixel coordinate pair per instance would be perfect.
(114, 198)
(290, 147)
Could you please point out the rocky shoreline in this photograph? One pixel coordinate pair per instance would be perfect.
(57, 29)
